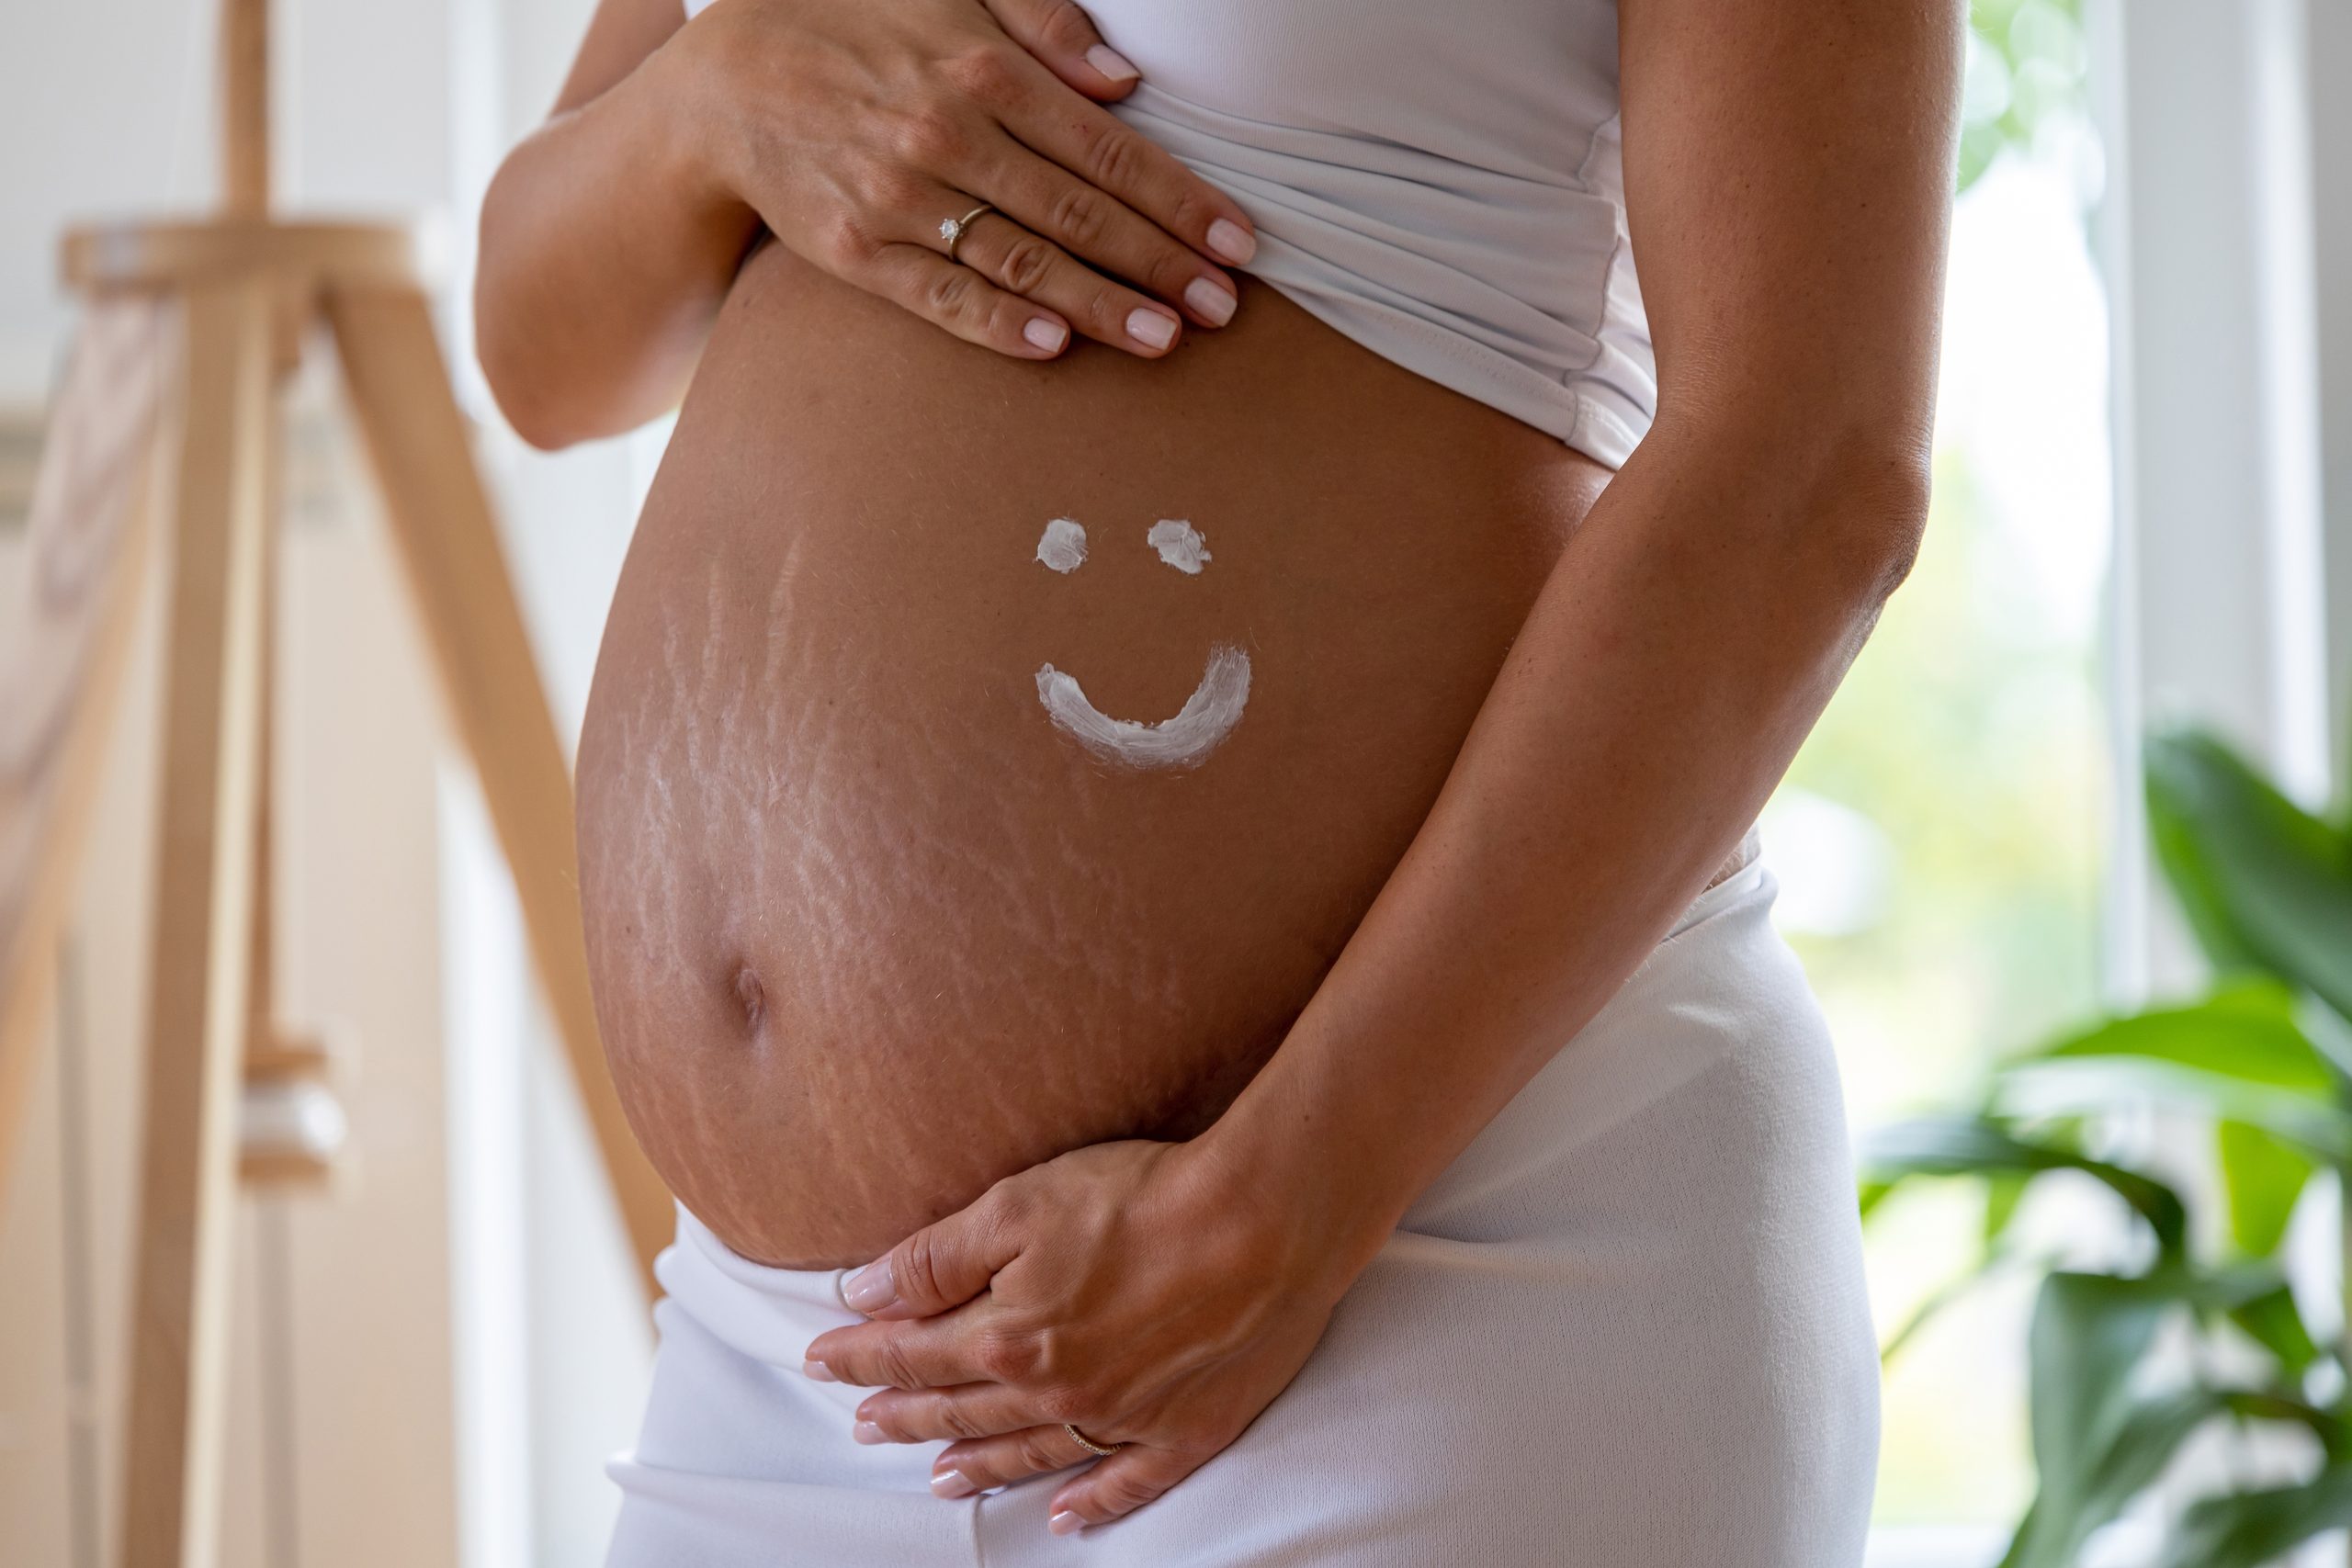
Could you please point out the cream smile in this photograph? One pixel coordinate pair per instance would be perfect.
(1184, 740)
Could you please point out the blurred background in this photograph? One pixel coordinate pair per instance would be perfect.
(2142, 514)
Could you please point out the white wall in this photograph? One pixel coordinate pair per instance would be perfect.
(2329, 43)
(102, 108)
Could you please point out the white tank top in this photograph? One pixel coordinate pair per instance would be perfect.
(1440, 180)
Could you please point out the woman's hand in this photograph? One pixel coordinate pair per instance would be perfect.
(854, 131)
(1148, 1294)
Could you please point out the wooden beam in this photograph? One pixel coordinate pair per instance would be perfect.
(448, 542)
(244, 107)
(64, 644)
(197, 1022)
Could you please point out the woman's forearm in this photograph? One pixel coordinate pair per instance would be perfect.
(1788, 178)
(606, 252)
(1693, 632)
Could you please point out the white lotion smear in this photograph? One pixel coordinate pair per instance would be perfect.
(1208, 716)
(1064, 546)
(1179, 545)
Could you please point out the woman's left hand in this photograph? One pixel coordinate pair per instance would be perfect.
(1144, 1292)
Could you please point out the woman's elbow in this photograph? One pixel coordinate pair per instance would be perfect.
(517, 377)
(539, 397)
(1877, 491)
(1861, 477)
(528, 411)
(558, 385)
(1837, 493)
(551, 401)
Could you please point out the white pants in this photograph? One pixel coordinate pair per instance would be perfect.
(1626, 1330)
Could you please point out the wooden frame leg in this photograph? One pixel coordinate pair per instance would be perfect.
(448, 542)
(62, 661)
(203, 920)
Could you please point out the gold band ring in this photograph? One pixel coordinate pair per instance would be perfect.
(1089, 1444)
(952, 230)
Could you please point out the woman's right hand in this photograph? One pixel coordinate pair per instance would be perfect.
(854, 128)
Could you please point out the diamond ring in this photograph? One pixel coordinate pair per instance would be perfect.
(1099, 1450)
(952, 230)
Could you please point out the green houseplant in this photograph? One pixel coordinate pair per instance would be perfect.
(2262, 1066)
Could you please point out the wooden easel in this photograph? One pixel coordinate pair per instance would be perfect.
(193, 326)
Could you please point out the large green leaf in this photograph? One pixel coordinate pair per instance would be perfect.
(2246, 1529)
(2088, 1335)
(2256, 1296)
(2245, 1030)
(2266, 1405)
(1980, 1146)
(2099, 1441)
(2237, 1055)
(2092, 1088)
(2273, 1320)
(2263, 883)
(2067, 1510)
(2064, 1516)
(2263, 1177)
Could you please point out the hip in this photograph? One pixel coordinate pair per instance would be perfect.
(1627, 1326)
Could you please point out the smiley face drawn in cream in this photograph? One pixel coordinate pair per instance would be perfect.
(1208, 715)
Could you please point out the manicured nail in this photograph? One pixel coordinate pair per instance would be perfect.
(951, 1484)
(1065, 1523)
(868, 1432)
(1112, 63)
(1046, 333)
(817, 1371)
(1231, 242)
(871, 1288)
(1214, 303)
(1152, 330)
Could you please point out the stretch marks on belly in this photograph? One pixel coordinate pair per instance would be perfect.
(1208, 716)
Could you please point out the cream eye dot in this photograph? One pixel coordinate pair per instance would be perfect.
(1179, 545)
(1063, 545)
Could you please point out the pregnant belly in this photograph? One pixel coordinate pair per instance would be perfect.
(909, 860)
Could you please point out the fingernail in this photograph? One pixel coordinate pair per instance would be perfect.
(1045, 332)
(817, 1371)
(1112, 63)
(1152, 330)
(871, 1288)
(868, 1432)
(1214, 303)
(1231, 242)
(951, 1484)
(1065, 1523)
